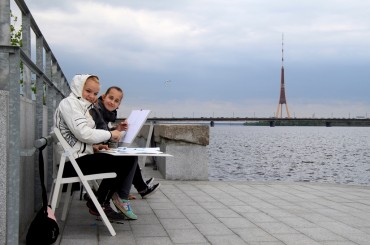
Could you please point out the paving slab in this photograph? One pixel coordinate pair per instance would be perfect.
(220, 212)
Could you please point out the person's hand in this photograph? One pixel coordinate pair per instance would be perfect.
(116, 135)
(122, 126)
(100, 147)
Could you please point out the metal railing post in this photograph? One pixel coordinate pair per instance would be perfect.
(13, 168)
(17, 158)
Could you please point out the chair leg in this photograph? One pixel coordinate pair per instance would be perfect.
(99, 208)
(66, 201)
(51, 192)
(58, 184)
(59, 195)
(95, 184)
(56, 195)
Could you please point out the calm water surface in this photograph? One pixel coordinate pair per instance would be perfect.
(315, 154)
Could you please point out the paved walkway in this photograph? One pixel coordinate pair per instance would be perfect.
(205, 212)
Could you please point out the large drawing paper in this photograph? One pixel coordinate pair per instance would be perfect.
(135, 121)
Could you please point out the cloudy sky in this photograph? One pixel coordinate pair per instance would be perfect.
(217, 57)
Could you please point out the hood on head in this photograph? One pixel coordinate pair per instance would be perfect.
(78, 83)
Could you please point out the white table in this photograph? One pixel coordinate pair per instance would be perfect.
(127, 151)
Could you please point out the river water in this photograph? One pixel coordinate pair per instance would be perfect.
(310, 154)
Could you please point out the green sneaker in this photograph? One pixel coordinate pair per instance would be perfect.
(123, 206)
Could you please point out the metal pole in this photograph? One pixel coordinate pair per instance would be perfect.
(13, 171)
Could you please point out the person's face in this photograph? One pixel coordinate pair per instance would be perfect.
(112, 100)
(90, 90)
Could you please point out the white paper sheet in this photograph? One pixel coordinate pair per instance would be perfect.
(138, 150)
(128, 151)
(135, 121)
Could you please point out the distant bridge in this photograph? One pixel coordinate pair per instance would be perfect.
(271, 121)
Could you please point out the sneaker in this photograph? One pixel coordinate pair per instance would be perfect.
(150, 190)
(109, 212)
(123, 206)
(92, 208)
(149, 181)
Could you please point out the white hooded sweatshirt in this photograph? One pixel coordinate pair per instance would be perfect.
(74, 121)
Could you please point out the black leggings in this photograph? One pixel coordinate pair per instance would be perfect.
(138, 180)
(123, 166)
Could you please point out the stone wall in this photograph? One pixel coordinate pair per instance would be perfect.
(187, 143)
(27, 168)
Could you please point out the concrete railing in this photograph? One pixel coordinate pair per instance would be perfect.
(187, 143)
(24, 117)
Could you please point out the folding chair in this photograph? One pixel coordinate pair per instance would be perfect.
(59, 181)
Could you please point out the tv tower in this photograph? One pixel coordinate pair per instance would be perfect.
(282, 100)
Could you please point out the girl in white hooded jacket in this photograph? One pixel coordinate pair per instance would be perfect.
(76, 125)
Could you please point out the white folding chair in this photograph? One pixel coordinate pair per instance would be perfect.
(66, 155)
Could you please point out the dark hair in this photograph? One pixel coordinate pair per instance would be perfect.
(114, 87)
